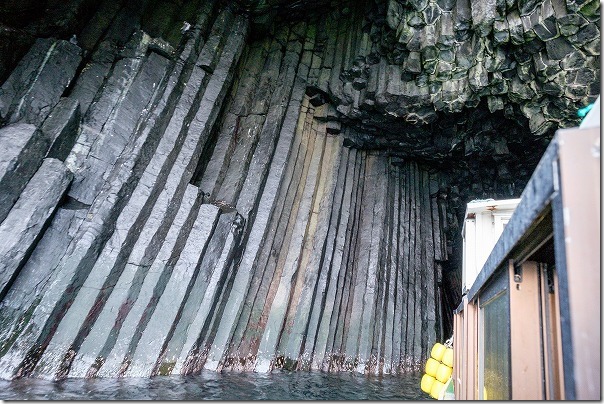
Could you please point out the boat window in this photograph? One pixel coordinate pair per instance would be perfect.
(494, 364)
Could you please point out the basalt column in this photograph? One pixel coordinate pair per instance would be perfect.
(345, 278)
(132, 230)
(207, 227)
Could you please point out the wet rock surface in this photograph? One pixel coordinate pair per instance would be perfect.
(23, 148)
(192, 185)
(27, 218)
(36, 84)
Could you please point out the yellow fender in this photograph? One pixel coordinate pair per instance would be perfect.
(438, 371)
(437, 388)
(443, 373)
(427, 382)
(448, 357)
(432, 367)
(438, 350)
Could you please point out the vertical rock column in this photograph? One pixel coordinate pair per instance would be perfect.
(335, 284)
(40, 124)
(26, 221)
(256, 201)
(223, 230)
(36, 84)
(63, 318)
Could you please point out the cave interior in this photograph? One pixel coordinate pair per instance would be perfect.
(419, 105)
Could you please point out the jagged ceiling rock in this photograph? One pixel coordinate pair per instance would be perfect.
(539, 60)
(416, 65)
(534, 59)
(291, 9)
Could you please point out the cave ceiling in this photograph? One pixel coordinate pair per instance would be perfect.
(428, 78)
(474, 82)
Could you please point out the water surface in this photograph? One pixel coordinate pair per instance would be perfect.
(223, 386)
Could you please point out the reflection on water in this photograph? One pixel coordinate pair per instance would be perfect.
(222, 386)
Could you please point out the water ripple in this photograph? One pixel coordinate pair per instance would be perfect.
(278, 385)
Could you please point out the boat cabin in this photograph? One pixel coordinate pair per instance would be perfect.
(528, 326)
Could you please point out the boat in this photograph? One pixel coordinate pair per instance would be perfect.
(528, 324)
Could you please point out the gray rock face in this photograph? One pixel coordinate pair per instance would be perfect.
(278, 189)
(23, 147)
(26, 220)
(62, 128)
(37, 83)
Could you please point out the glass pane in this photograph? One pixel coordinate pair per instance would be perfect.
(496, 348)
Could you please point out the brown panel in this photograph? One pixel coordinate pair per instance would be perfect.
(525, 333)
(551, 337)
(458, 353)
(471, 365)
(579, 152)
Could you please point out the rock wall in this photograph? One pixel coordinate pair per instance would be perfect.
(193, 185)
(533, 59)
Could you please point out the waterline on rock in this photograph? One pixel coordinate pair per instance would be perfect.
(278, 385)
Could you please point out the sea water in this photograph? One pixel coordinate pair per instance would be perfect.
(278, 385)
